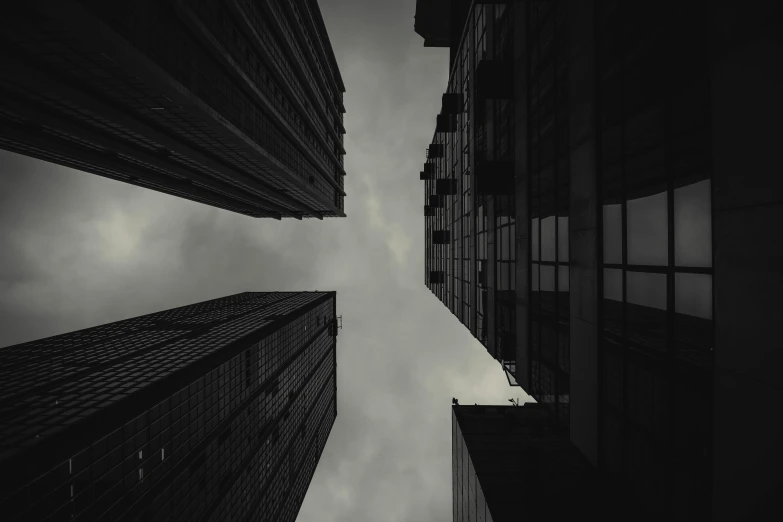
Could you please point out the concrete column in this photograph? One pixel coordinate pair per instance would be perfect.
(522, 240)
(582, 231)
(491, 271)
(746, 52)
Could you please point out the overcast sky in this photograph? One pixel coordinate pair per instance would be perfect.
(77, 250)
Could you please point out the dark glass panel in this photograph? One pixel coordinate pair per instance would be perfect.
(612, 376)
(481, 504)
(535, 373)
(612, 443)
(613, 233)
(505, 243)
(465, 480)
(471, 491)
(562, 239)
(613, 300)
(610, 99)
(693, 295)
(693, 225)
(611, 145)
(564, 350)
(535, 337)
(693, 406)
(690, 106)
(547, 384)
(646, 310)
(549, 342)
(644, 131)
(648, 230)
(563, 295)
(693, 328)
(535, 242)
(547, 192)
(645, 289)
(548, 238)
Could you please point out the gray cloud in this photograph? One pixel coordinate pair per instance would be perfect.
(79, 250)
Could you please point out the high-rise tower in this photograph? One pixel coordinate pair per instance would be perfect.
(214, 411)
(232, 103)
(513, 463)
(597, 206)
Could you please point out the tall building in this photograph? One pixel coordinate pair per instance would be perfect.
(594, 205)
(234, 103)
(214, 411)
(512, 463)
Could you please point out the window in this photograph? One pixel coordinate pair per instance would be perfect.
(549, 345)
(656, 296)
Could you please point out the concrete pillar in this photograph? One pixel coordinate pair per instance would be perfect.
(583, 236)
(746, 52)
(522, 240)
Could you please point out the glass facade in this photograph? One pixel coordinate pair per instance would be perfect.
(654, 128)
(547, 39)
(478, 261)
(512, 463)
(612, 173)
(252, 128)
(470, 504)
(217, 411)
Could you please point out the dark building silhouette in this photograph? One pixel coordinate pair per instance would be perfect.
(512, 463)
(596, 192)
(214, 411)
(234, 103)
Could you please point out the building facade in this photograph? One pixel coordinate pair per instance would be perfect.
(592, 200)
(233, 103)
(214, 411)
(513, 463)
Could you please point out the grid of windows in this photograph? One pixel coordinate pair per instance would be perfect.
(458, 210)
(549, 344)
(656, 306)
(61, 151)
(200, 73)
(323, 47)
(477, 27)
(653, 159)
(296, 111)
(504, 206)
(469, 503)
(176, 51)
(481, 227)
(193, 453)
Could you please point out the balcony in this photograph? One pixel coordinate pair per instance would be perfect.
(452, 103)
(433, 23)
(430, 211)
(425, 175)
(435, 150)
(437, 201)
(445, 123)
(429, 169)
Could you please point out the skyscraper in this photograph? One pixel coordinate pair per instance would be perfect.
(237, 104)
(214, 411)
(591, 215)
(512, 463)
